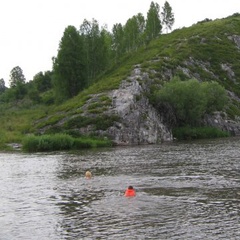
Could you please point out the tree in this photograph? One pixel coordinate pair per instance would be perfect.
(2, 85)
(69, 67)
(153, 22)
(141, 23)
(104, 50)
(118, 40)
(16, 77)
(130, 34)
(43, 81)
(97, 44)
(216, 96)
(190, 100)
(91, 33)
(133, 32)
(167, 16)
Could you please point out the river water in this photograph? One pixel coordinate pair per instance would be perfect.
(187, 190)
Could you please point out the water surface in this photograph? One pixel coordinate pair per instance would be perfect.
(184, 191)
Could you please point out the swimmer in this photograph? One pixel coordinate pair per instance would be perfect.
(130, 192)
(88, 175)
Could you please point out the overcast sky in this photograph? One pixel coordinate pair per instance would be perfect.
(31, 29)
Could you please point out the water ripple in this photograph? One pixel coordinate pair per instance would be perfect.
(184, 191)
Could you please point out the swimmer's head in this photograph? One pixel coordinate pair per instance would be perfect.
(88, 174)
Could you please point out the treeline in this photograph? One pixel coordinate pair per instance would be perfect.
(85, 53)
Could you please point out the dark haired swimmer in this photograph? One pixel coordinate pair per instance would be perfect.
(130, 192)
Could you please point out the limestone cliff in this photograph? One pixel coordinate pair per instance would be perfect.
(138, 122)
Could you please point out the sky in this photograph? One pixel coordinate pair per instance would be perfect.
(32, 29)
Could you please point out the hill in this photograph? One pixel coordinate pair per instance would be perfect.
(118, 105)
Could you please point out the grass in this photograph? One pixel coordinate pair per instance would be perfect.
(190, 133)
(16, 123)
(57, 142)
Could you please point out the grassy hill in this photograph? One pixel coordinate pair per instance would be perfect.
(206, 51)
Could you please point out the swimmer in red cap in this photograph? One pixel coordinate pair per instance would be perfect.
(130, 192)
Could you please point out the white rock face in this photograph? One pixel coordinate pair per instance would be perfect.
(140, 122)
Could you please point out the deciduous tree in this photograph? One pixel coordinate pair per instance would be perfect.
(16, 77)
(43, 81)
(133, 32)
(189, 100)
(153, 22)
(167, 16)
(118, 40)
(69, 67)
(2, 85)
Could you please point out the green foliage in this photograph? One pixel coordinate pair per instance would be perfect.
(58, 142)
(167, 16)
(16, 77)
(101, 122)
(118, 40)
(105, 99)
(189, 133)
(47, 97)
(13, 94)
(134, 33)
(201, 49)
(153, 23)
(190, 100)
(78, 122)
(97, 46)
(47, 143)
(94, 105)
(216, 96)
(233, 110)
(15, 123)
(2, 85)
(85, 142)
(69, 68)
(43, 81)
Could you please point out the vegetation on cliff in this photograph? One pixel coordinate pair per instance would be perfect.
(205, 52)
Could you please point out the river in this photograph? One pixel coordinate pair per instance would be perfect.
(185, 190)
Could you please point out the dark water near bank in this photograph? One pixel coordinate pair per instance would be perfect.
(184, 191)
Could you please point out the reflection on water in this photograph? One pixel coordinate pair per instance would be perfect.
(184, 191)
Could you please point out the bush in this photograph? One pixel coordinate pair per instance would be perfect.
(188, 133)
(190, 100)
(61, 142)
(48, 143)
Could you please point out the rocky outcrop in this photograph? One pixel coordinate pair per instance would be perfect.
(221, 121)
(139, 122)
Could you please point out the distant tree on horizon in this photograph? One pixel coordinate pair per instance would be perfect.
(16, 77)
(134, 32)
(2, 85)
(97, 46)
(167, 16)
(153, 23)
